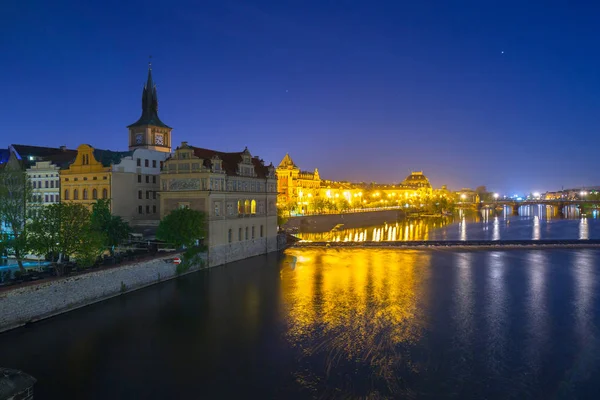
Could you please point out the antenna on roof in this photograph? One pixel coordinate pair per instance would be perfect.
(150, 62)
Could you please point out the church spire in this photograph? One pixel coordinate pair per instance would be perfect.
(149, 104)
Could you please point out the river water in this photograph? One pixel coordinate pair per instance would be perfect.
(339, 323)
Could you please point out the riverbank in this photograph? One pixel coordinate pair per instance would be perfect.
(461, 244)
(34, 302)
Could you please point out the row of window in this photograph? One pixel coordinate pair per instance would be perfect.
(95, 178)
(141, 209)
(147, 178)
(47, 184)
(147, 163)
(46, 176)
(85, 194)
(246, 236)
(140, 192)
(243, 207)
(48, 198)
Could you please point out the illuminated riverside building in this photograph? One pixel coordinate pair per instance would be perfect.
(294, 185)
(466, 195)
(236, 191)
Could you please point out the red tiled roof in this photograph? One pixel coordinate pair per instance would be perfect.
(230, 161)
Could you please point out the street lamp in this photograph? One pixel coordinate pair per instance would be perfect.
(463, 197)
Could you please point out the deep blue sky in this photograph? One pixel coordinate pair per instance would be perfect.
(363, 90)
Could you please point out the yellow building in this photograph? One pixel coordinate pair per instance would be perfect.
(88, 178)
(414, 186)
(294, 185)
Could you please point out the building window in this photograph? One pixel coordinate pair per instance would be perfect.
(75, 194)
(46, 184)
(229, 209)
(247, 207)
(253, 207)
(139, 179)
(66, 194)
(246, 233)
(66, 179)
(139, 162)
(153, 209)
(229, 235)
(261, 231)
(147, 209)
(161, 164)
(154, 179)
(153, 163)
(217, 209)
(45, 198)
(154, 195)
(146, 163)
(147, 194)
(240, 235)
(95, 178)
(252, 231)
(104, 177)
(75, 179)
(52, 184)
(139, 194)
(140, 210)
(94, 194)
(85, 194)
(147, 179)
(85, 178)
(104, 193)
(240, 207)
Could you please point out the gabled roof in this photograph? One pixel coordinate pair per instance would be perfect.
(59, 156)
(287, 162)
(230, 161)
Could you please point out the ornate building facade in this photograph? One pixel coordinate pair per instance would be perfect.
(236, 191)
(294, 185)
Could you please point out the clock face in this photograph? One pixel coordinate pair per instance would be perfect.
(138, 138)
(159, 139)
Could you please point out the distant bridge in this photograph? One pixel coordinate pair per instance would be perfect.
(558, 204)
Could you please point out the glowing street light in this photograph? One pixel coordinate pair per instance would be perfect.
(496, 195)
(536, 195)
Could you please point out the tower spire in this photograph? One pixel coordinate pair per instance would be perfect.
(149, 102)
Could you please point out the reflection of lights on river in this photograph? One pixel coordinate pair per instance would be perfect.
(536, 228)
(462, 227)
(496, 229)
(584, 231)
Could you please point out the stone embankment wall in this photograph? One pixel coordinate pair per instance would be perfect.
(219, 255)
(22, 305)
(324, 223)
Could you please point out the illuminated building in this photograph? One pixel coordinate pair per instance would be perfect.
(237, 193)
(294, 185)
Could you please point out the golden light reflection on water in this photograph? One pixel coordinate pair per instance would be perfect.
(355, 305)
(409, 229)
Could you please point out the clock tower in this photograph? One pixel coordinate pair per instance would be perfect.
(149, 132)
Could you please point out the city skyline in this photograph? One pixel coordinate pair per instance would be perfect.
(481, 97)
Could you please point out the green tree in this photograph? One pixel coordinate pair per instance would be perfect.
(91, 248)
(15, 193)
(182, 227)
(112, 228)
(63, 229)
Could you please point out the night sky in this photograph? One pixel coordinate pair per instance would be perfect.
(504, 94)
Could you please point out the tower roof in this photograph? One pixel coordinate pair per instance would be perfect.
(149, 104)
(287, 162)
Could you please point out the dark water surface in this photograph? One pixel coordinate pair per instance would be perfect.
(335, 323)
